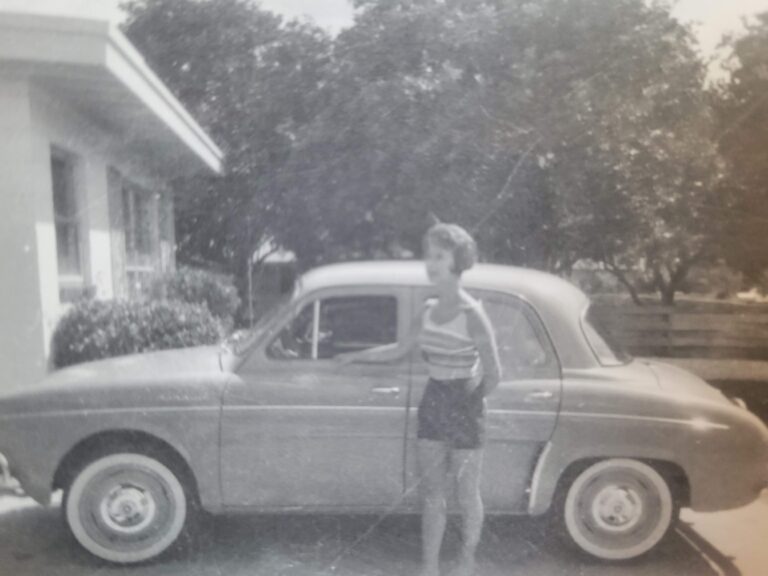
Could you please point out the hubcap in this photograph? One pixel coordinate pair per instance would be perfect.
(617, 508)
(128, 509)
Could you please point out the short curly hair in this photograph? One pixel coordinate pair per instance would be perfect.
(454, 238)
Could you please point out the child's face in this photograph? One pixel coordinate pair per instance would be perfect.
(439, 263)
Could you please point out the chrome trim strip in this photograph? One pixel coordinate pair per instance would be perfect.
(304, 407)
(92, 411)
(500, 412)
(693, 423)
(533, 488)
(412, 409)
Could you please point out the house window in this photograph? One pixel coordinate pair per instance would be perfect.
(68, 226)
(140, 221)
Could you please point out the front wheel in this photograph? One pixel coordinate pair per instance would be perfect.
(618, 509)
(126, 507)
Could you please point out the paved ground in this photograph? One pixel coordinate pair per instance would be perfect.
(33, 541)
(741, 536)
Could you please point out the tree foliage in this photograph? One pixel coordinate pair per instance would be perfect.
(251, 80)
(742, 106)
(555, 130)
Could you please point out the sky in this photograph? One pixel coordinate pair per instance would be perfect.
(712, 18)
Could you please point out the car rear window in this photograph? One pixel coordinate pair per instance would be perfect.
(603, 343)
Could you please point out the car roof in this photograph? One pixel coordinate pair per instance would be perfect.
(521, 281)
(558, 302)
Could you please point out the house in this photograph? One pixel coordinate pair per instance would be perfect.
(91, 140)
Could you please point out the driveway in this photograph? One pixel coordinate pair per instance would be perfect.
(33, 540)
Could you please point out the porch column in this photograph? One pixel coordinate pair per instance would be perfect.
(23, 179)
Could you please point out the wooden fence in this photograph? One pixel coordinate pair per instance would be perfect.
(669, 332)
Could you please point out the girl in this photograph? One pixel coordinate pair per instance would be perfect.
(458, 344)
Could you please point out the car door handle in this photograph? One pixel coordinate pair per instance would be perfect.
(539, 395)
(394, 391)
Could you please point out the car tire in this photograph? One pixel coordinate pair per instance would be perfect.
(126, 507)
(618, 509)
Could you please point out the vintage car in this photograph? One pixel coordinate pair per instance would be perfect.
(611, 446)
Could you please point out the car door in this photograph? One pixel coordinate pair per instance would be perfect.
(299, 430)
(521, 412)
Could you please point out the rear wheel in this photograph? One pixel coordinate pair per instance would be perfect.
(618, 509)
(126, 507)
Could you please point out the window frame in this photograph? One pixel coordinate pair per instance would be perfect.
(593, 330)
(70, 285)
(140, 266)
(314, 299)
(550, 371)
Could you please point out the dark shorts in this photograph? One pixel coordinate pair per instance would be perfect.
(448, 413)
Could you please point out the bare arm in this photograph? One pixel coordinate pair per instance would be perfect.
(481, 330)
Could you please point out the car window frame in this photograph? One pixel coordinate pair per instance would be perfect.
(483, 294)
(316, 297)
(538, 325)
(623, 359)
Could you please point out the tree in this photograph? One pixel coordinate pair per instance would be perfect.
(742, 105)
(643, 195)
(409, 130)
(252, 80)
(556, 131)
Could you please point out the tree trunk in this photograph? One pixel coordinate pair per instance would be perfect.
(622, 278)
(631, 289)
(667, 293)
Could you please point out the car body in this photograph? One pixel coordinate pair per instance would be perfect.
(271, 423)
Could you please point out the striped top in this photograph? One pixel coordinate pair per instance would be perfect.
(448, 348)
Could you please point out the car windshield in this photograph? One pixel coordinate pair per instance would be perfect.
(604, 344)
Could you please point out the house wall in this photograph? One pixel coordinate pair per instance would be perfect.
(22, 356)
(34, 122)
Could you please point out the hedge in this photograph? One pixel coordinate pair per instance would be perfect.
(96, 329)
(195, 286)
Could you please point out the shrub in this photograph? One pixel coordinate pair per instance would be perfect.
(91, 330)
(195, 286)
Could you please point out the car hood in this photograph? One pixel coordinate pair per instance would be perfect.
(679, 382)
(168, 378)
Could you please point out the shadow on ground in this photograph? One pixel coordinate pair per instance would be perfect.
(33, 540)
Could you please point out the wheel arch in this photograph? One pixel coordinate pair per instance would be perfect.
(108, 441)
(554, 474)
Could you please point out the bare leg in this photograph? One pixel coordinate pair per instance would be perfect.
(465, 468)
(433, 465)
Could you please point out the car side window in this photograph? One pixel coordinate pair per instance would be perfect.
(524, 348)
(344, 324)
(295, 340)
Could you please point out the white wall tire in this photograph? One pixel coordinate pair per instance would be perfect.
(126, 507)
(618, 509)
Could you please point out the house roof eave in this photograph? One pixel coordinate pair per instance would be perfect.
(57, 47)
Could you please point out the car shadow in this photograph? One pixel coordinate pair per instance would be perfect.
(34, 540)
